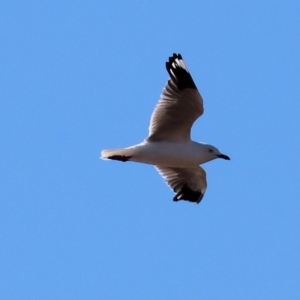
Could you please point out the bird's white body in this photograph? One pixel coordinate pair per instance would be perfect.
(163, 153)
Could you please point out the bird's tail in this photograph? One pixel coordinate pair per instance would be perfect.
(117, 154)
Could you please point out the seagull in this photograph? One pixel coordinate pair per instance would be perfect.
(169, 146)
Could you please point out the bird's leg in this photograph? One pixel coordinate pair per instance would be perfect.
(122, 158)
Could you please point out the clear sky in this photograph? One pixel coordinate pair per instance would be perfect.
(78, 77)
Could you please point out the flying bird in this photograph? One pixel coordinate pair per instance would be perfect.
(169, 146)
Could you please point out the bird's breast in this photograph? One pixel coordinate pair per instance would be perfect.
(169, 154)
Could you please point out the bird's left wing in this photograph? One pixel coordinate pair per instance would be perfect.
(188, 183)
(179, 107)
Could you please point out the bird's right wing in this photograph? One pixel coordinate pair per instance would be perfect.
(188, 183)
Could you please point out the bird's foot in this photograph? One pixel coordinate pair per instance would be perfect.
(122, 158)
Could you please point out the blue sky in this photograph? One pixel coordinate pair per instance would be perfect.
(81, 76)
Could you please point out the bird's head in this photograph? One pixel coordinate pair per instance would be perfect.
(213, 153)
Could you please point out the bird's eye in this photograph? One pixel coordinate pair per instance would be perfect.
(210, 150)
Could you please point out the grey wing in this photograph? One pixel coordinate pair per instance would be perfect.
(179, 107)
(188, 183)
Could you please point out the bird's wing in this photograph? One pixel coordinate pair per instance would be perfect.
(188, 183)
(179, 107)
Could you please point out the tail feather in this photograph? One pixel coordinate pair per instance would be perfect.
(107, 153)
(116, 154)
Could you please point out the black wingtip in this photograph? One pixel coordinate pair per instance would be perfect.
(179, 72)
(189, 195)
